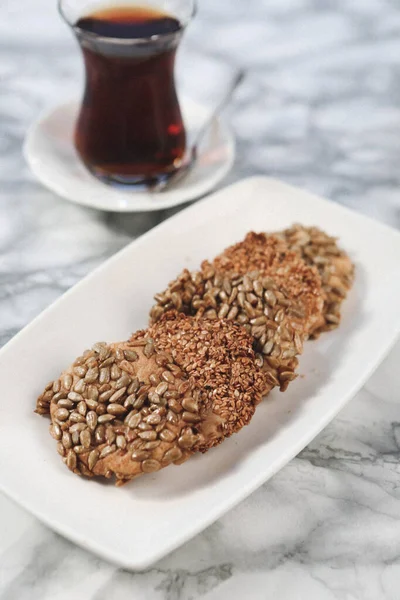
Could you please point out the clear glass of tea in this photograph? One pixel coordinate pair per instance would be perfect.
(130, 129)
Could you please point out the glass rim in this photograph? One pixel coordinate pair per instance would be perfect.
(125, 41)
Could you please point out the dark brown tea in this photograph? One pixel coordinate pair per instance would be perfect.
(130, 127)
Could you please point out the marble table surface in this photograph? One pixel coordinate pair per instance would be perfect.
(320, 108)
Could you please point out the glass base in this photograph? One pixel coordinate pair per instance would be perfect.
(129, 182)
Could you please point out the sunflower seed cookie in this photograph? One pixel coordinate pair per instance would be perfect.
(132, 408)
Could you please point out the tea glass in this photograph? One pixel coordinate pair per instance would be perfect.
(129, 130)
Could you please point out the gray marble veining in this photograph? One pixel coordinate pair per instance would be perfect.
(320, 108)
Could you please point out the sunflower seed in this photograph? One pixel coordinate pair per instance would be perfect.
(250, 312)
(123, 382)
(82, 408)
(80, 386)
(154, 379)
(115, 372)
(154, 397)
(75, 417)
(55, 431)
(161, 388)
(101, 409)
(115, 409)
(108, 450)
(153, 419)
(267, 349)
(104, 396)
(107, 362)
(71, 460)
(175, 406)
(103, 350)
(271, 379)
(121, 442)
(128, 402)
(140, 455)
(80, 371)
(60, 449)
(56, 397)
(172, 455)
(134, 386)
(258, 288)
(75, 437)
(172, 418)
(232, 314)
(66, 440)
(119, 353)
(91, 362)
(223, 311)
(131, 355)
(77, 427)
(75, 397)
(148, 435)
(150, 465)
(79, 449)
(106, 418)
(93, 458)
(144, 426)
(187, 441)
(189, 417)
(138, 403)
(56, 386)
(259, 362)
(92, 375)
(149, 348)
(91, 404)
(151, 445)
(168, 377)
(67, 381)
(100, 434)
(167, 435)
(64, 403)
(85, 438)
(190, 404)
(110, 436)
(62, 414)
(91, 420)
(133, 420)
(270, 297)
(117, 395)
(104, 376)
(92, 392)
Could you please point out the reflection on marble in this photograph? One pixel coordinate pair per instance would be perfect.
(320, 108)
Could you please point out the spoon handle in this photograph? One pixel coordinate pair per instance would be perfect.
(184, 170)
(234, 83)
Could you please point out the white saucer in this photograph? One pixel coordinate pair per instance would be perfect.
(51, 155)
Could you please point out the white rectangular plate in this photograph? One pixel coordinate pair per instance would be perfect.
(138, 524)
